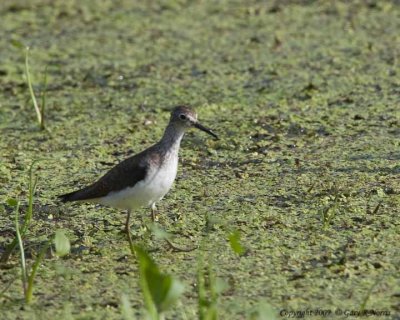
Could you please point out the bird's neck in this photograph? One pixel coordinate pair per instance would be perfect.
(171, 139)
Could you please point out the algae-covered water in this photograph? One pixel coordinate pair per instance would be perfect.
(305, 96)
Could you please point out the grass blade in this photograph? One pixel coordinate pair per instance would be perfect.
(28, 215)
(43, 104)
(21, 249)
(32, 188)
(35, 267)
(32, 93)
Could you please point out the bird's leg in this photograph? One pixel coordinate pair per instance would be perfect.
(128, 231)
(170, 244)
(153, 212)
(179, 249)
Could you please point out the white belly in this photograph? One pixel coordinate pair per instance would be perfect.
(146, 192)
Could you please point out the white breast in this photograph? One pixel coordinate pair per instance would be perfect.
(156, 185)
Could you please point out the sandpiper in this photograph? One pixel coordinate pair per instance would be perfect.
(145, 178)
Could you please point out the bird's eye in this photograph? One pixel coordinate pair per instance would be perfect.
(182, 117)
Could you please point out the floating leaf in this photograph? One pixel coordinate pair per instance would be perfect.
(263, 311)
(17, 44)
(220, 285)
(234, 240)
(211, 221)
(12, 202)
(62, 243)
(158, 232)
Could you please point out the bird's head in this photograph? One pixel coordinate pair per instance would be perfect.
(187, 117)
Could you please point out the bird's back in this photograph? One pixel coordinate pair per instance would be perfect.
(124, 175)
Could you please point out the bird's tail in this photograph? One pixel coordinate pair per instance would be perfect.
(68, 196)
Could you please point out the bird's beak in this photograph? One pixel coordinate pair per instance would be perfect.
(202, 128)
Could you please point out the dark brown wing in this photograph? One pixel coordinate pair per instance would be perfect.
(125, 174)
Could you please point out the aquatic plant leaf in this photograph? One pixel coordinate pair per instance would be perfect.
(234, 241)
(17, 44)
(62, 243)
(263, 311)
(220, 285)
(158, 232)
(161, 290)
(12, 202)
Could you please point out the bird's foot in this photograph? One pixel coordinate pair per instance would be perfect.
(130, 241)
(154, 216)
(179, 249)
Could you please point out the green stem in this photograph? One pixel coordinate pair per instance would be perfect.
(28, 216)
(43, 104)
(32, 188)
(21, 249)
(201, 291)
(32, 93)
(35, 267)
